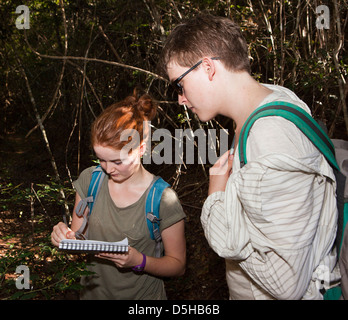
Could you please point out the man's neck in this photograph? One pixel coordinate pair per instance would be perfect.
(244, 95)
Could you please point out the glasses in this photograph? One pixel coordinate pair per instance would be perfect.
(176, 83)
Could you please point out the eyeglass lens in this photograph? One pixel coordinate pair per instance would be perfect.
(176, 83)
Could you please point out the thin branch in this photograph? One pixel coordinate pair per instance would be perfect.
(109, 43)
(122, 65)
(60, 78)
(89, 83)
(43, 131)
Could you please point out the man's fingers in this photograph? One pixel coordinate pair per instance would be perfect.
(222, 166)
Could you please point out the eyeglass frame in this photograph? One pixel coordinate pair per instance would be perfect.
(177, 86)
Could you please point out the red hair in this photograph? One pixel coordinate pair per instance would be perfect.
(129, 113)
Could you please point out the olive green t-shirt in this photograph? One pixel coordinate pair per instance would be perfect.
(111, 223)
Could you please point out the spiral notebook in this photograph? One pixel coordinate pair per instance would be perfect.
(93, 246)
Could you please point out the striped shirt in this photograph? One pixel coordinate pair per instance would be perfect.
(275, 224)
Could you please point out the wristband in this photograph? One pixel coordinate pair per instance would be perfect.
(140, 267)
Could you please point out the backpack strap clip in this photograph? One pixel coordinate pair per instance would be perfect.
(82, 205)
(155, 226)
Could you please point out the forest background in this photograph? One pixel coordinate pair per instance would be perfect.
(78, 57)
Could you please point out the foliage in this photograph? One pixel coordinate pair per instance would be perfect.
(51, 273)
(285, 45)
(28, 243)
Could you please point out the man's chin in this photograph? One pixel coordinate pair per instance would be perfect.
(202, 118)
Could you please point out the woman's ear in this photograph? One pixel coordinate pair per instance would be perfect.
(142, 148)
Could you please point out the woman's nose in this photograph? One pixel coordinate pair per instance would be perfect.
(109, 167)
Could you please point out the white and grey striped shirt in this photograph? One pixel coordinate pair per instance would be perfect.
(275, 224)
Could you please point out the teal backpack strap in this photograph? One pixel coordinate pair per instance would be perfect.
(300, 118)
(94, 186)
(152, 208)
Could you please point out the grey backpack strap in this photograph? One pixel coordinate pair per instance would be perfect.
(82, 205)
(80, 209)
(97, 178)
(149, 210)
(153, 199)
(156, 232)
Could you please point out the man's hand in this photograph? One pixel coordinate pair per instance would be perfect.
(220, 172)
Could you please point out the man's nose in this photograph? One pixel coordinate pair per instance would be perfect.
(182, 99)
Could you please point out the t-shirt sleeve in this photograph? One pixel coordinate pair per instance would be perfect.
(171, 210)
(82, 183)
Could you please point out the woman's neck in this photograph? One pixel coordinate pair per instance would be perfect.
(140, 178)
(130, 190)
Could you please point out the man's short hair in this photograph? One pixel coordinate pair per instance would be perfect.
(206, 36)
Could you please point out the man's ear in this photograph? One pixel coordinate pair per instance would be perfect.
(209, 67)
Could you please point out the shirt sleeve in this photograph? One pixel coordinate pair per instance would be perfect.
(82, 183)
(171, 210)
(227, 235)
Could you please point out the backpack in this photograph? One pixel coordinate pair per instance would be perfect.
(322, 142)
(341, 147)
(152, 206)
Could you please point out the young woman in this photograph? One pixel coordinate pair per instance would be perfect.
(119, 210)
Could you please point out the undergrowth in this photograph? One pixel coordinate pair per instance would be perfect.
(30, 266)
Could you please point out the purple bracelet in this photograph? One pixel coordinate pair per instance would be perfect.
(141, 266)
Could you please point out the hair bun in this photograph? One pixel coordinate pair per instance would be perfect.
(147, 106)
(130, 113)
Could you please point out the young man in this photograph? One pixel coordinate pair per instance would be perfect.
(274, 220)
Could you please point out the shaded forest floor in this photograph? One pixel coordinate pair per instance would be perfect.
(26, 224)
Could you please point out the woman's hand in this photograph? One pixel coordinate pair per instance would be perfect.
(60, 232)
(129, 259)
(220, 172)
(171, 264)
